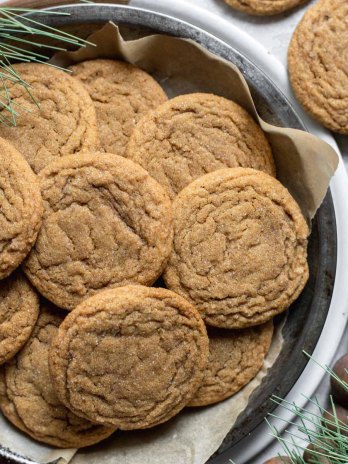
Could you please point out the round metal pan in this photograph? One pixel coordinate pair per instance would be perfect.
(307, 315)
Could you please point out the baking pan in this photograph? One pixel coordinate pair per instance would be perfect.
(307, 315)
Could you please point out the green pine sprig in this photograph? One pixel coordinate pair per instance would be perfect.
(14, 24)
(330, 436)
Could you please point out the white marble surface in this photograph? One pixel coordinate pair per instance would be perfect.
(274, 33)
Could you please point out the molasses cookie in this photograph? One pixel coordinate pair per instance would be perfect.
(106, 223)
(21, 208)
(19, 310)
(130, 357)
(61, 121)
(264, 7)
(235, 357)
(121, 93)
(27, 398)
(240, 247)
(194, 134)
(317, 61)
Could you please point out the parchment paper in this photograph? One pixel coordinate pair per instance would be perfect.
(305, 165)
(21, 444)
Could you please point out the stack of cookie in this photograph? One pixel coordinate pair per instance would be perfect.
(112, 187)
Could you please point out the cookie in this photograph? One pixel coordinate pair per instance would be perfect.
(121, 93)
(21, 208)
(130, 357)
(106, 223)
(235, 357)
(194, 134)
(240, 248)
(63, 124)
(19, 310)
(264, 7)
(27, 397)
(317, 63)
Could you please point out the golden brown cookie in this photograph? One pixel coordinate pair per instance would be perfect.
(106, 223)
(264, 7)
(19, 310)
(130, 357)
(240, 247)
(65, 122)
(21, 208)
(121, 93)
(235, 357)
(317, 62)
(194, 134)
(27, 398)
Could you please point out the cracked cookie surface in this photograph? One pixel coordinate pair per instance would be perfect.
(264, 7)
(64, 123)
(194, 134)
(106, 223)
(235, 358)
(240, 248)
(27, 397)
(19, 310)
(121, 93)
(131, 357)
(21, 208)
(318, 63)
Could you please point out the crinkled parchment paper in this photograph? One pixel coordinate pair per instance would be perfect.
(305, 165)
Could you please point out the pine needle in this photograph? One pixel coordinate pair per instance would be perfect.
(13, 27)
(330, 436)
